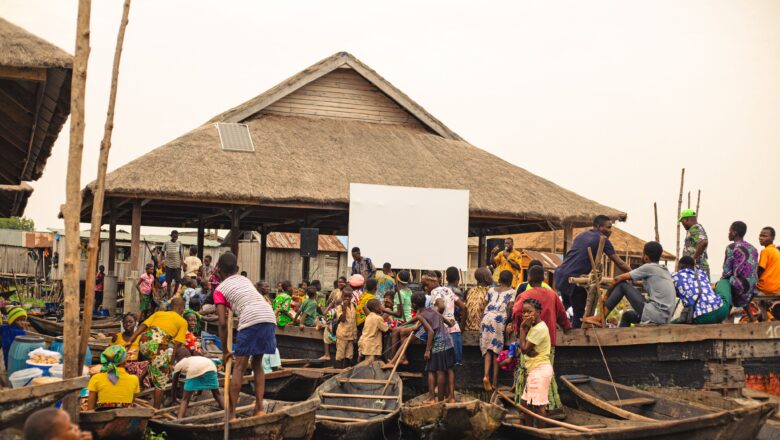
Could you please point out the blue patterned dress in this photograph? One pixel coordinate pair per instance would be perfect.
(494, 320)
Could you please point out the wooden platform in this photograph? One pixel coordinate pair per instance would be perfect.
(715, 356)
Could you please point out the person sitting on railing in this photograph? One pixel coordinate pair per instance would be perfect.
(709, 307)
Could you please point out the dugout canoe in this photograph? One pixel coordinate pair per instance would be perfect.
(467, 418)
(352, 407)
(618, 401)
(18, 403)
(116, 423)
(205, 421)
(288, 384)
(55, 328)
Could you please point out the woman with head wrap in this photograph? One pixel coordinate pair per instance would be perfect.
(17, 323)
(113, 387)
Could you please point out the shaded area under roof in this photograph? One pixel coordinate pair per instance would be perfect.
(13, 199)
(34, 101)
(306, 156)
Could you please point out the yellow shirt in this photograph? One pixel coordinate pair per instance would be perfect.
(122, 392)
(360, 313)
(502, 264)
(347, 330)
(132, 352)
(770, 261)
(170, 322)
(539, 335)
(370, 343)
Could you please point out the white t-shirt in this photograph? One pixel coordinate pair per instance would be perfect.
(193, 263)
(449, 304)
(240, 295)
(194, 366)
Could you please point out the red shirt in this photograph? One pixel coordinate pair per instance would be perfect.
(552, 310)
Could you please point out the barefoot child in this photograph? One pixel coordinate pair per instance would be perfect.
(370, 343)
(497, 313)
(256, 329)
(147, 289)
(200, 374)
(439, 353)
(346, 330)
(534, 341)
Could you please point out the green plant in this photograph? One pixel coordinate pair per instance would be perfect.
(23, 223)
(150, 435)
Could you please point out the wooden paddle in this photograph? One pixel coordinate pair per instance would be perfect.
(228, 367)
(381, 402)
(525, 410)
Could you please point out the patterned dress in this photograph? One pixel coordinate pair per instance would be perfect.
(476, 300)
(740, 268)
(157, 346)
(494, 320)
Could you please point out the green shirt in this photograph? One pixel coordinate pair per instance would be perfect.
(282, 304)
(405, 297)
(309, 307)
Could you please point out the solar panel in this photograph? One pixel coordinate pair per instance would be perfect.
(235, 137)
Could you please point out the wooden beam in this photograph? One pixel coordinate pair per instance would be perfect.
(263, 251)
(23, 73)
(481, 248)
(201, 236)
(135, 236)
(568, 237)
(111, 245)
(234, 231)
(38, 100)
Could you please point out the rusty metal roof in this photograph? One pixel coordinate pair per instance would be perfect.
(291, 240)
(550, 260)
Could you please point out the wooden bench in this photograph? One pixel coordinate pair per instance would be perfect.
(636, 401)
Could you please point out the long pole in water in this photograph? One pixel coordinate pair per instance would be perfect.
(228, 372)
(679, 210)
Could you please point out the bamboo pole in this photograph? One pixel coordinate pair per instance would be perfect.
(698, 202)
(228, 373)
(689, 200)
(679, 210)
(100, 189)
(655, 211)
(72, 209)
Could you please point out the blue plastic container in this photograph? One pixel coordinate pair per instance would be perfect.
(17, 355)
(56, 345)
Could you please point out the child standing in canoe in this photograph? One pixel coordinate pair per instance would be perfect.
(200, 374)
(346, 329)
(534, 338)
(439, 352)
(370, 343)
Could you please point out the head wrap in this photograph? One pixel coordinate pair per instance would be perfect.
(356, 280)
(16, 313)
(188, 312)
(111, 358)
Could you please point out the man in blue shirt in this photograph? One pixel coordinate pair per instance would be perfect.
(576, 263)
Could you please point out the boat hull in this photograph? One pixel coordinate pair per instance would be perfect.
(18, 403)
(118, 423)
(468, 418)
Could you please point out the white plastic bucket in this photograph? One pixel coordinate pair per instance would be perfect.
(24, 377)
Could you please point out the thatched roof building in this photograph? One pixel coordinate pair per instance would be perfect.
(334, 123)
(34, 102)
(13, 199)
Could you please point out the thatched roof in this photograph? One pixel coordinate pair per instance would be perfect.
(20, 48)
(311, 156)
(13, 199)
(543, 241)
(34, 101)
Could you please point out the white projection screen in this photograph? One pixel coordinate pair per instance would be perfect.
(411, 228)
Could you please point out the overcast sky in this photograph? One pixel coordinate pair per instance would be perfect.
(607, 98)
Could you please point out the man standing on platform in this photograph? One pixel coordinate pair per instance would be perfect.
(508, 259)
(362, 265)
(577, 263)
(695, 245)
(172, 254)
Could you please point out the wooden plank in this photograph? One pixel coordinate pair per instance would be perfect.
(636, 401)
(359, 396)
(362, 106)
(338, 419)
(337, 111)
(355, 408)
(369, 381)
(23, 73)
(374, 99)
(659, 334)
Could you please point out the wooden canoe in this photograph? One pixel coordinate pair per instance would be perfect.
(288, 384)
(352, 407)
(18, 403)
(116, 423)
(205, 421)
(754, 414)
(599, 397)
(468, 418)
(55, 328)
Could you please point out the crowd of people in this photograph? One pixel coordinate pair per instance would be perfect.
(371, 313)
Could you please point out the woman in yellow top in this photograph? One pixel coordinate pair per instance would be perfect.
(113, 387)
(534, 338)
(162, 330)
(133, 365)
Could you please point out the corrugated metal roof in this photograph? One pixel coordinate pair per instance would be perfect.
(12, 237)
(152, 239)
(550, 260)
(291, 240)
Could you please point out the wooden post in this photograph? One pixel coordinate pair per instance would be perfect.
(201, 238)
(679, 210)
(135, 236)
(111, 245)
(554, 238)
(481, 248)
(689, 200)
(71, 211)
(655, 211)
(234, 231)
(698, 202)
(263, 251)
(568, 232)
